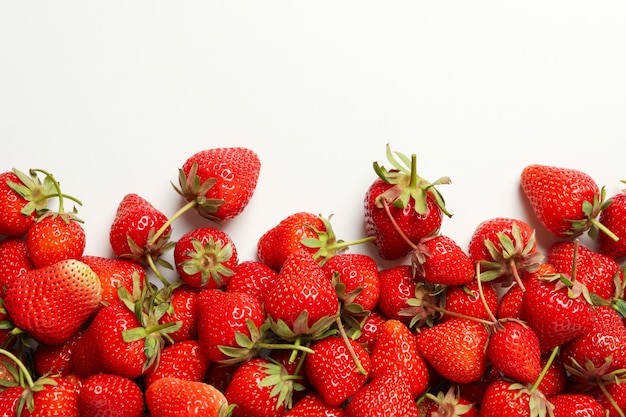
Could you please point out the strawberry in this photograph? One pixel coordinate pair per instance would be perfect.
(205, 257)
(183, 360)
(513, 349)
(358, 274)
(613, 218)
(110, 395)
(14, 261)
(183, 299)
(567, 405)
(507, 398)
(56, 359)
(312, 405)
(612, 396)
(566, 201)
(448, 404)
(401, 207)
(302, 301)
(169, 397)
(252, 277)
(369, 329)
(54, 238)
(396, 347)
(219, 182)
(113, 272)
(505, 248)
(221, 316)
(442, 261)
(384, 396)
(52, 303)
(510, 305)
(139, 230)
(22, 198)
(466, 300)
(333, 371)
(455, 349)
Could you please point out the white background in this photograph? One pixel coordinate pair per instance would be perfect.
(112, 97)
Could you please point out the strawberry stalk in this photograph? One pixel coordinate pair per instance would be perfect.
(353, 355)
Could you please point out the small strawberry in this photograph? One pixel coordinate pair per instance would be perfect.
(456, 349)
(332, 371)
(401, 208)
(168, 397)
(613, 217)
(205, 257)
(358, 274)
(312, 405)
(442, 261)
(513, 349)
(183, 360)
(252, 277)
(368, 330)
(183, 300)
(467, 301)
(507, 398)
(566, 201)
(22, 198)
(219, 182)
(510, 305)
(567, 405)
(448, 404)
(52, 303)
(56, 359)
(110, 395)
(14, 261)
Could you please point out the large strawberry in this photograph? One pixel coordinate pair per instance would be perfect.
(110, 395)
(219, 182)
(514, 350)
(52, 303)
(401, 207)
(22, 198)
(566, 201)
(169, 397)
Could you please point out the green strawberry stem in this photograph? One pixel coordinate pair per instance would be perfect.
(595, 222)
(171, 220)
(57, 187)
(545, 369)
(346, 339)
(23, 370)
(611, 400)
(156, 271)
(481, 293)
(455, 314)
(296, 346)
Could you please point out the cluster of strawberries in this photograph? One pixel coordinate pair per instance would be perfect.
(310, 328)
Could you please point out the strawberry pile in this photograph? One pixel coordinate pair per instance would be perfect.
(309, 327)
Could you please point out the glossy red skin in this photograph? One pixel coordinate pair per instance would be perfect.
(397, 285)
(252, 277)
(356, 271)
(183, 360)
(446, 263)
(12, 221)
(388, 241)
(500, 401)
(113, 272)
(370, 329)
(567, 405)
(466, 300)
(110, 395)
(54, 400)
(614, 218)
(183, 301)
(166, 397)
(312, 405)
(489, 229)
(55, 359)
(52, 239)
(14, 261)
(514, 351)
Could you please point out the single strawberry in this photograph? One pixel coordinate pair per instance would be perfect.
(512, 399)
(514, 350)
(14, 261)
(219, 182)
(168, 397)
(312, 405)
(368, 329)
(22, 198)
(443, 261)
(56, 359)
(467, 301)
(566, 201)
(333, 372)
(396, 347)
(358, 274)
(183, 301)
(510, 305)
(183, 360)
(252, 277)
(110, 395)
(613, 218)
(54, 302)
(401, 208)
(205, 257)
(448, 404)
(567, 405)
(456, 349)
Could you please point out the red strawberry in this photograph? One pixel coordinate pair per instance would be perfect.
(369, 329)
(14, 261)
(567, 405)
(312, 405)
(52, 303)
(333, 370)
(566, 201)
(205, 257)
(183, 360)
(139, 230)
(252, 277)
(401, 208)
(22, 198)
(613, 217)
(510, 305)
(221, 315)
(511, 399)
(513, 349)
(505, 249)
(113, 272)
(183, 299)
(56, 359)
(55, 237)
(302, 298)
(220, 181)
(455, 349)
(396, 347)
(168, 397)
(612, 396)
(448, 404)
(443, 261)
(110, 395)
(358, 273)
(466, 300)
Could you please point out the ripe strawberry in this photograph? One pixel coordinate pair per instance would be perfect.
(613, 218)
(183, 360)
(442, 261)
(395, 347)
(205, 257)
(139, 230)
(168, 397)
(183, 299)
(566, 201)
(384, 396)
(369, 329)
(333, 370)
(113, 272)
(22, 198)
(110, 395)
(455, 349)
(556, 379)
(312, 405)
(252, 277)
(302, 298)
(52, 303)
(14, 261)
(611, 395)
(277, 243)
(358, 273)
(55, 237)
(448, 404)
(510, 305)
(507, 398)
(513, 349)
(602, 275)
(55, 359)
(567, 405)
(220, 181)
(466, 300)
(401, 208)
(221, 316)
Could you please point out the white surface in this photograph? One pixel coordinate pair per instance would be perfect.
(112, 97)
